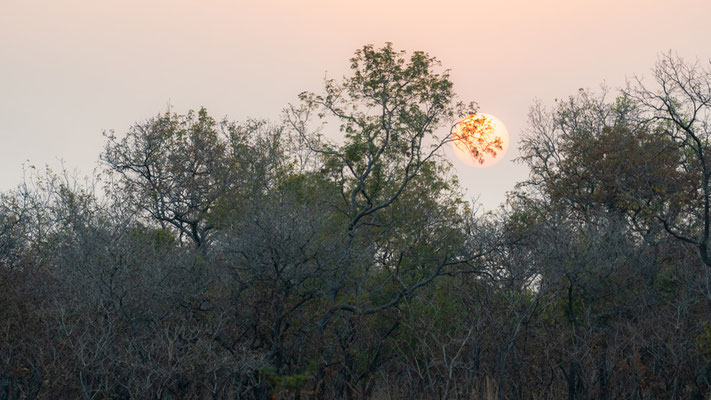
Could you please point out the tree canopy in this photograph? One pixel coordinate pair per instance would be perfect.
(332, 255)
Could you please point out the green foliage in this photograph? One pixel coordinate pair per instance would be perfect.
(703, 340)
(668, 284)
(281, 383)
(156, 237)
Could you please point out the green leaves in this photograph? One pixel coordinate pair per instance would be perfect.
(388, 111)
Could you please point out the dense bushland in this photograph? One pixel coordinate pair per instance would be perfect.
(214, 259)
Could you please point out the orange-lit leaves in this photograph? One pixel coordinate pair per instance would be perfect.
(475, 135)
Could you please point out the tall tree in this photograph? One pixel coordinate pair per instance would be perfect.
(184, 170)
(680, 104)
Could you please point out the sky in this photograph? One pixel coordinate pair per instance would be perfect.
(72, 69)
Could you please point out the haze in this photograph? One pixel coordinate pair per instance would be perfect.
(73, 69)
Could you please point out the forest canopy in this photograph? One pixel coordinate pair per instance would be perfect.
(220, 259)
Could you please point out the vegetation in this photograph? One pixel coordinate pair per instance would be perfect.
(214, 259)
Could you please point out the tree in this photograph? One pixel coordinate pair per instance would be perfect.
(617, 202)
(680, 105)
(174, 168)
(399, 212)
(389, 111)
(183, 171)
(589, 155)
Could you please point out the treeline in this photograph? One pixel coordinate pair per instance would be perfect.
(219, 260)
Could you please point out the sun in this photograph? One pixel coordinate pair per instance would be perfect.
(480, 140)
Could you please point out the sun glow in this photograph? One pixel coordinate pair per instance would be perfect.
(480, 140)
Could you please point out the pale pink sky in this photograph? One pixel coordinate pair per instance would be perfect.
(70, 69)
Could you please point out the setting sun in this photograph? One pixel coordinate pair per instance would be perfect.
(480, 140)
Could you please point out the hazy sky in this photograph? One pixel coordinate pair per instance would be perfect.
(70, 69)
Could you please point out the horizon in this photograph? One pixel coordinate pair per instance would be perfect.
(76, 69)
